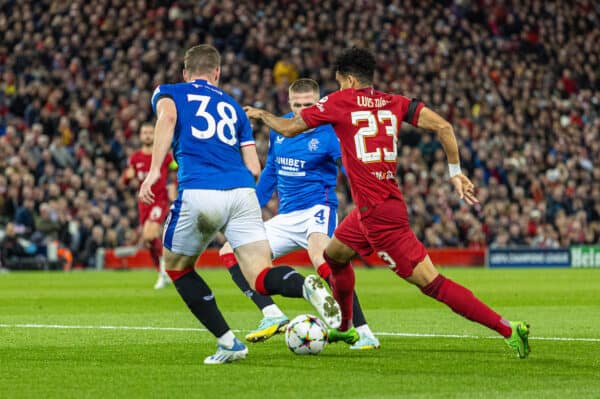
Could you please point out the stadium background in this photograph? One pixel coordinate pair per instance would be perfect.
(518, 80)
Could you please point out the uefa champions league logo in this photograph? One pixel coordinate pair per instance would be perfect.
(313, 144)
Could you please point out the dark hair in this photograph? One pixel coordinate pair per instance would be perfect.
(201, 59)
(304, 85)
(146, 123)
(358, 62)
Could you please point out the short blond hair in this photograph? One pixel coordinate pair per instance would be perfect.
(201, 59)
(304, 85)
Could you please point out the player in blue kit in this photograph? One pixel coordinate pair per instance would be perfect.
(213, 145)
(303, 169)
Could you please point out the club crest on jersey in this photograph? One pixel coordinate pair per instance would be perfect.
(313, 144)
(279, 139)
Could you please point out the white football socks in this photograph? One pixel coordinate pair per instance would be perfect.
(226, 339)
(364, 331)
(272, 311)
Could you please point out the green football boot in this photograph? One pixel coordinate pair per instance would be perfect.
(350, 336)
(519, 339)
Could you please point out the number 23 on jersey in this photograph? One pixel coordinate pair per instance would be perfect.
(390, 123)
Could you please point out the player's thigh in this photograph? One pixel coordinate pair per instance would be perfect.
(321, 223)
(349, 239)
(245, 227)
(285, 234)
(253, 258)
(389, 233)
(317, 242)
(244, 224)
(178, 262)
(195, 218)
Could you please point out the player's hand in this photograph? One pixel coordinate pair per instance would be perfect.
(464, 188)
(146, 195)
(253, 113)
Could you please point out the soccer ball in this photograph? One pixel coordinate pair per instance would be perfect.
(306, 335)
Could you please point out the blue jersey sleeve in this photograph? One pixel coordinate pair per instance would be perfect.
(268, 178)
(246, 136)
(160, 92)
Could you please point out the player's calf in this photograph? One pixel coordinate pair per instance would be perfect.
(342, 283)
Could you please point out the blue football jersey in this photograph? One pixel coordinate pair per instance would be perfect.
(210, 131)
(302, 168)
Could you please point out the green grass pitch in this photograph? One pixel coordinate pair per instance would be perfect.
(427, 351)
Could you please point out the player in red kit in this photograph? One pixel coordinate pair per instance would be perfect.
(367, 123)
(152, 216)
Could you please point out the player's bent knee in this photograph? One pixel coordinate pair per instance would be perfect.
(337, 253)
(423, 273)
(253, 258)
(333, 263)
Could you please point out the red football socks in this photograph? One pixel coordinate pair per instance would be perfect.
(342, 284)
(324, 271)
(259, 284)
(228, 260)
(177, 274)
(463, 302)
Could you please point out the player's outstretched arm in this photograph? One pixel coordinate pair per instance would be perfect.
(163, 136)
(285, 126)
(430, 120)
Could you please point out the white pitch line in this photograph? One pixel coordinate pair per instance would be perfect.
(390, 334)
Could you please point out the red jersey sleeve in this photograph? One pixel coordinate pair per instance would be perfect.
(322, 113)
(411, 108)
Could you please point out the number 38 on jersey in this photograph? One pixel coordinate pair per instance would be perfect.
(224, 127)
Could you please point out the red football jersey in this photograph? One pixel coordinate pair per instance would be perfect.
(140, 162)
(367, 123)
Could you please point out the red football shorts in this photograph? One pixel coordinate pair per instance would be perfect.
(384, 229)
(155, 212)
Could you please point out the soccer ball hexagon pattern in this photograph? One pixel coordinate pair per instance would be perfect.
(306, 335)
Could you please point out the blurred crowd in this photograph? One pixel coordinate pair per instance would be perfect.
(518, 80)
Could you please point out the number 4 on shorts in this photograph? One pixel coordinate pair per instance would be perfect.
(320, 216)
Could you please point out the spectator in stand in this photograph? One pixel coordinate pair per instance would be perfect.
(519, 84)
(47, 224)
(11, 250)
(25, 217)
(94, 242)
